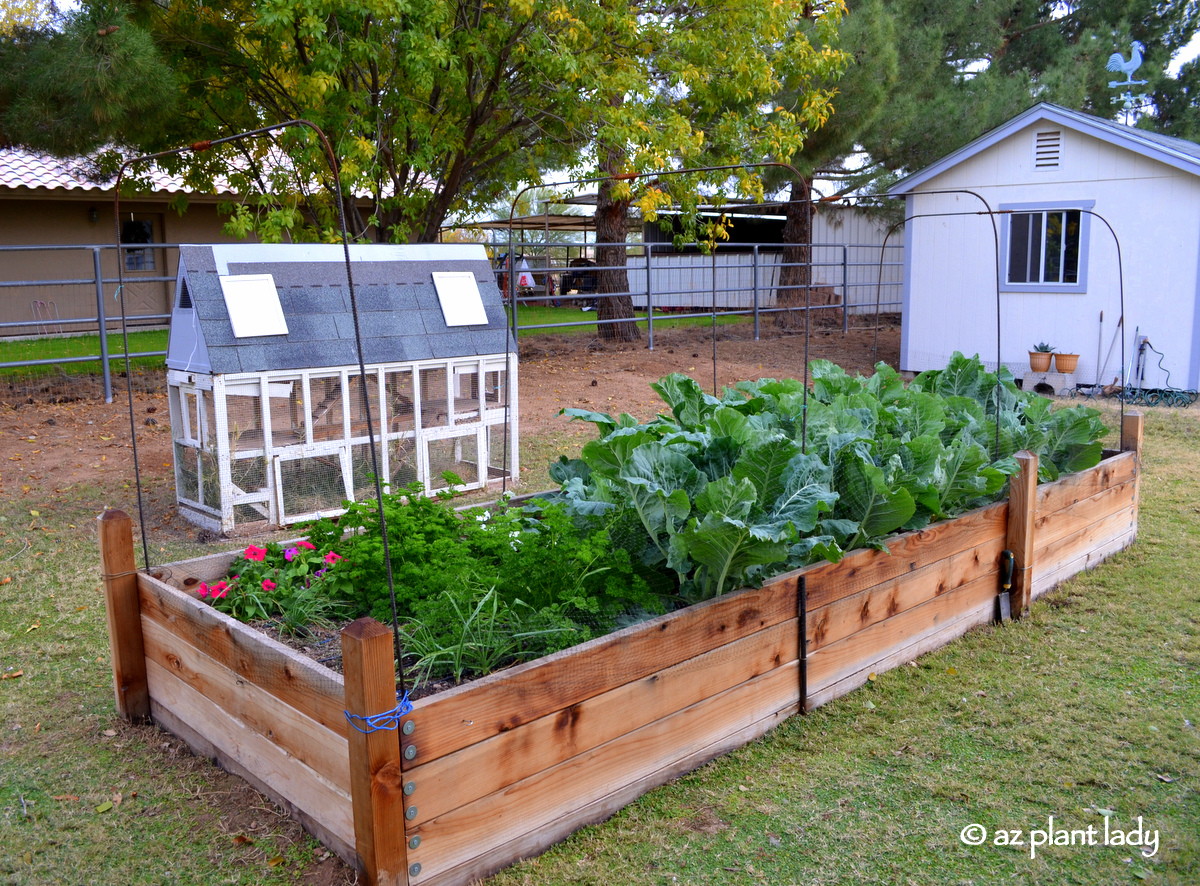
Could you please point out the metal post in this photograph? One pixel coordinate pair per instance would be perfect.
(102, 321)
(649, 247)
(755, 278)
(845, 288)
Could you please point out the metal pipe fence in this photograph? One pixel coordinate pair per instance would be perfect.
(71, 290)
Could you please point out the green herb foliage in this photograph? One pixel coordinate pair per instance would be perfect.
(474, 591)
(729, 490)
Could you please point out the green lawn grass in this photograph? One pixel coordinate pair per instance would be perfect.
(1088, 708)
(72, 347)
(530, 315)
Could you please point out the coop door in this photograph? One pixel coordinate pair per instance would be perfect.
(454, 460)
(311, 486)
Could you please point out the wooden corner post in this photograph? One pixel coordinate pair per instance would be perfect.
(118, 570)
(1132, 424)
(1022, 508)
(376, 791)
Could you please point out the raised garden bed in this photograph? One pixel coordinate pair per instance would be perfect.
(501, 768)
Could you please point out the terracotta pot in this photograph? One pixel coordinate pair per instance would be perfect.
(1039, 361)
(1066, 362)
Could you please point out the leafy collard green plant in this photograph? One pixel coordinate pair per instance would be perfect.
(729, 490)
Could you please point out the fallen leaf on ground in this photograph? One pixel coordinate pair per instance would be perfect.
(12, 675)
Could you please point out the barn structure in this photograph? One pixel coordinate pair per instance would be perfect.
(266, 393)
(1025, 223)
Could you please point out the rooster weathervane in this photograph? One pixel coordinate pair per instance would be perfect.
(1118, 64)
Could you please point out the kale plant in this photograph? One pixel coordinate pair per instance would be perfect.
(728, 490)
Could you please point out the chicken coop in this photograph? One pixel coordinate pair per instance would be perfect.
(268, 415)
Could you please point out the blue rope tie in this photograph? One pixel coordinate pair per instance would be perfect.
(386, 720)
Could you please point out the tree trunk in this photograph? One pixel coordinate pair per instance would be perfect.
(795, 275)
(611, 216)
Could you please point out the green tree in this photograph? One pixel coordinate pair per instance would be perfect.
(1177, 104)
(24, 15)
(70, 85)
(687, 85)
(434, 107)
(868, 36)
(968, 67)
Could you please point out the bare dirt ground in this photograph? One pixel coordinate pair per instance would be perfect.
(61, 443)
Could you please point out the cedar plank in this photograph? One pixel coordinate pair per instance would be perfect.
(1088, 559)
(310, 688)
(536, 841)
(265, 765)
(321, 749)
(1056, 525)
(1071, 488)
(951, 630)
(552, 794)
(838, 620)
(870, 645)
(1084, 550)
(511, 756)
(827, 582)
(455, 719)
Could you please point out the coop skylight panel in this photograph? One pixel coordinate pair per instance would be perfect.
(458, 293)
(253, 305)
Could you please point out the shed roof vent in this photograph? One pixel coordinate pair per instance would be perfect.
(1047, 149)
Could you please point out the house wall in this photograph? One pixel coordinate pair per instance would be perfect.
(1154, 212)
(63, 264)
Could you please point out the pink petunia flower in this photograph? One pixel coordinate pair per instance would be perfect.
(289, 554)
(307, 545)
(253, 553)
(268, 585)
(202, 591)
(219, 590)
(332, 557)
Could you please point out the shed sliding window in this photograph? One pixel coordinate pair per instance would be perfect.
(1044, 247)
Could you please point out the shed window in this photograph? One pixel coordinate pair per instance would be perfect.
(1045, 248)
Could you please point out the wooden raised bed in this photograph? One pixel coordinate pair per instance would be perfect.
(499, 769)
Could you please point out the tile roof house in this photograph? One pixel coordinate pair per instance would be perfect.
(265, 386)
(52, 202)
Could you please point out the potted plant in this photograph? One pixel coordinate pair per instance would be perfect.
(1039, 357)
(1065, 362)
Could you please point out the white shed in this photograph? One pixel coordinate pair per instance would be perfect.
(264, 384)
(1023, 215)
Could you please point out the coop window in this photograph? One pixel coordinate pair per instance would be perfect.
(1045, 248)
(136, 231)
